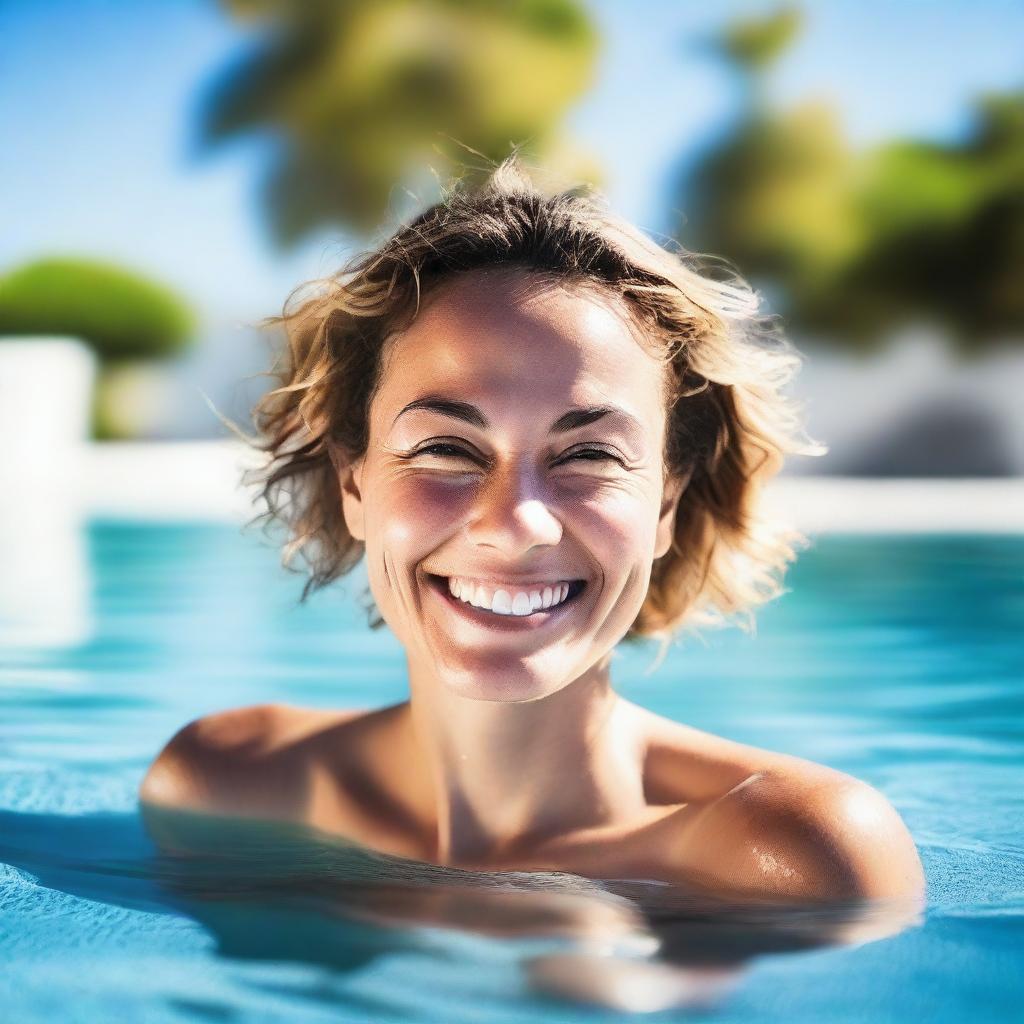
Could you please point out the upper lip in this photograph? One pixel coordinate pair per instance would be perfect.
(497, 579)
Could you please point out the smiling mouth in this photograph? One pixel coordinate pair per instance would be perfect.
(537, 617)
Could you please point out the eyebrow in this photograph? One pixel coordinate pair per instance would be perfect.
(571, 420)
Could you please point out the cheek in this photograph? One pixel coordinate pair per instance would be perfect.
(429, 503)
(621, 533)
(409, 519)
(620, 521)
(413, 514)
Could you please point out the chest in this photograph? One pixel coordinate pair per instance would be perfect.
(644, 848)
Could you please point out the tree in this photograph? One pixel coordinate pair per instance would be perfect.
(358, 95)
(855, 245)
(120, 315)
(943, 237)
(126, 319)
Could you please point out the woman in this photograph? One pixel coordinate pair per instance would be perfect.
(547, 434)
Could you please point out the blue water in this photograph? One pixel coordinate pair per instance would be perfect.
(896, 659)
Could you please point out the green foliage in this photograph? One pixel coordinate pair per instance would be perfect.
(756, 43)
(857, 245)
(120, 315)
(359, 94)
(774, 198)
(942, 238)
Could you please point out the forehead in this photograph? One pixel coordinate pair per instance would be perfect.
(512, 337)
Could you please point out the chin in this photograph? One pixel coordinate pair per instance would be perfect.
(503, 686)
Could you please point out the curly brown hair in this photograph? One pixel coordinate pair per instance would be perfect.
(729, 425)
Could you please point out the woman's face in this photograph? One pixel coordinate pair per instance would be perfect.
(481, 468)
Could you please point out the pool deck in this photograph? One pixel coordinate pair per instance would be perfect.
(199, 480)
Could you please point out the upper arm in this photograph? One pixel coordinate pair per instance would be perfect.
(818, 835)
(873, 845)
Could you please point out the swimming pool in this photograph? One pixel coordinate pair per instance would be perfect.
(895, 658)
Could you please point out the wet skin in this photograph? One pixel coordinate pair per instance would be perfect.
(723, 817)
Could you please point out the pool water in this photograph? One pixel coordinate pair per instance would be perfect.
(896, 659)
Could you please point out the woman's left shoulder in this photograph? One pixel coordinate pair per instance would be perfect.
(799, 830)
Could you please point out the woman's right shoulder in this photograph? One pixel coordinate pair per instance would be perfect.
(181, 773)
(224, 757)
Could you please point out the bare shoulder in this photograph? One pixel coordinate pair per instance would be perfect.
(241, 757)
(800, 830)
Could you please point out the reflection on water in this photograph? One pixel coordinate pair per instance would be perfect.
(285, 892)
(45, 583)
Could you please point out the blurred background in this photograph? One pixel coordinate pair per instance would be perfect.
(173, 170)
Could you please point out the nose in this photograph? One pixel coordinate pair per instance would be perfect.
(512, 515)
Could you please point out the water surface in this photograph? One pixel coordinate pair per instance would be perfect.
(896, 659)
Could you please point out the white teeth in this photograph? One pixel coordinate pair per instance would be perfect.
(502, 602)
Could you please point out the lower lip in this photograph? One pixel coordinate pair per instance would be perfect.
(505, 623)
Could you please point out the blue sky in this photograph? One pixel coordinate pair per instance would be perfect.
(98, 100)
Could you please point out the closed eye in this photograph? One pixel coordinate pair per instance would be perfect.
(439, 449)
(600, 453)
(588, 454)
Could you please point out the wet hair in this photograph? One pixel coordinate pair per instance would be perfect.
(728, 423)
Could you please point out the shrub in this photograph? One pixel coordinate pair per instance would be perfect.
(120, 315)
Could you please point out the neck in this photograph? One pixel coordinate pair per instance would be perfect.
(498, 777)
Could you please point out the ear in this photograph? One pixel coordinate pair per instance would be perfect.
(350, 481)
(674, 488)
